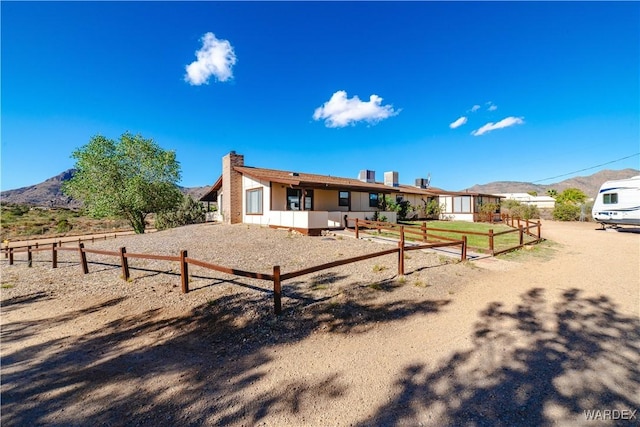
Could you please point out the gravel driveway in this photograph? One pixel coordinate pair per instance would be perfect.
(535, 338)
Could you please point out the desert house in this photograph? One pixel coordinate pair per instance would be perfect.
(542, 202)
(311, 203)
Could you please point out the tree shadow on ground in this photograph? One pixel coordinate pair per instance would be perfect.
(530, 366)
(210, 367)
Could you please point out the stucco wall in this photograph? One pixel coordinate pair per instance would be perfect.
(249, 184)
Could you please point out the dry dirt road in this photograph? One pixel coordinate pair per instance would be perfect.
(546, 337)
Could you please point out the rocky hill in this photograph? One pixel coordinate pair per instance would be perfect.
(588, 184)
(46, 194)
(49, 193)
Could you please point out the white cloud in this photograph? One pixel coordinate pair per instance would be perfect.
(462, 120)
(475, 108)
(504, 123)
(492, 107)
(341, 111)
(215, 58)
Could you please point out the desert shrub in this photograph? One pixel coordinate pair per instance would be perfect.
(518, 210)
(432, 209)
(401, 207)
(587, 207)
(190, 211)
(63, 226)
(566, 212)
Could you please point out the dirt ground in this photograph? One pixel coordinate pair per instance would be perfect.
(534, 338)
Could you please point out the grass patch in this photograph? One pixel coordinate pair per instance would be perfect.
(442, 230)
(421, 284)
(378, 268)
(7, 286)
(376, 286)
(544, 250)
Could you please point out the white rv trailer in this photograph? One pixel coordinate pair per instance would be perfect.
(618, 202)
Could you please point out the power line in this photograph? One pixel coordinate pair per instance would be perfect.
(586, 169)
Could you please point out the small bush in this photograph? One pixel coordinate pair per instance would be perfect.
(190, 211)
(517, 210)
(63, 226)
(566, 212)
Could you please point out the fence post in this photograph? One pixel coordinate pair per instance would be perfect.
(6, 249)
(491, 248)
(54, 255)
(10, 256)
(401, 252)
(277, 290)
(539, 230)
(125, 263)
(521, 235)
(357, 229)
(29, 257)
(423, 228)
(184, 272)
(463, 255)
(83, 258)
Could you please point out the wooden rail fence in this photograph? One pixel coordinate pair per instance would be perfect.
(424, 233)
(276, 277)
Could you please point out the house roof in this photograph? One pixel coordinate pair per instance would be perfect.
(212, 194)
(307, 180)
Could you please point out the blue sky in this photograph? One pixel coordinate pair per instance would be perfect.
(466, 92)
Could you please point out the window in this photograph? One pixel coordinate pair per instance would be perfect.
(254, 201)
(462, 204)
(343, 198)
(373, 200)
(293, 199)
(610, 199)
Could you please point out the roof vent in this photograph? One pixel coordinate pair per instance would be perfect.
(367, 176)
(391, 179)
(294, 174)
(422, 183)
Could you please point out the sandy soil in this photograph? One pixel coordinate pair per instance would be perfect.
(535, 338)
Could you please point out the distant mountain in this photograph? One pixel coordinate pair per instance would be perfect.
(588, 184)
(49, 193)
(46, 194)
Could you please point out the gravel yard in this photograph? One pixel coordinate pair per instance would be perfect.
(518, 340)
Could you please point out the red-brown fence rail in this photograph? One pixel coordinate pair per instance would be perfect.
(424, 233)
(276, 278)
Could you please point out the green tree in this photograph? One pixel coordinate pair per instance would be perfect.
(128, 178)
(568, 203)
(571, 195)
(552, 193)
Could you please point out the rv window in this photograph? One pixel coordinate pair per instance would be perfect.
(610, 199)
